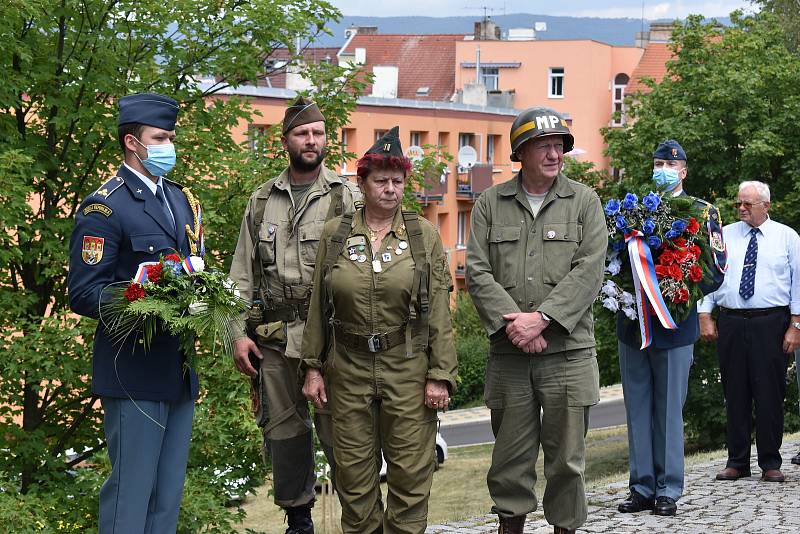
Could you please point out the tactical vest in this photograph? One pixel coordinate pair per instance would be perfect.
(418, 307)
(297, 307)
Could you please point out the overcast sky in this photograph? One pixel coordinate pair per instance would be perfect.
(653, 9)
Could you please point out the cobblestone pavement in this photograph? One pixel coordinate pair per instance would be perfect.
(707, 506)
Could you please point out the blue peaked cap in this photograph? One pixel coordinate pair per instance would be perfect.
(150, 109)
(669, 150)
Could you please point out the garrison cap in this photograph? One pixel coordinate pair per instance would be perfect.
(388, 144)
(302, 111)
(669, 150)
(150, 109)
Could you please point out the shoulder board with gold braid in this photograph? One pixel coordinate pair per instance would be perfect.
(109, 187)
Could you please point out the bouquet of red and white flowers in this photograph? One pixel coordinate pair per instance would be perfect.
(178, 295)
(656, 260)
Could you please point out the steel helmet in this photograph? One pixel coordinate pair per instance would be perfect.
(539, 122)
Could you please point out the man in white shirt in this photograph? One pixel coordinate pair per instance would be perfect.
(759, 326)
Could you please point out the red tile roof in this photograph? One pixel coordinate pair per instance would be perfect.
(653, 64)
(421, 61)
(277, 78)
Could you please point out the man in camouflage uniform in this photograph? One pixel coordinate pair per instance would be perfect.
(535, 263)
(274, 265)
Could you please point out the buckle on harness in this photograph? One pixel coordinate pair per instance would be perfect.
(374, 343)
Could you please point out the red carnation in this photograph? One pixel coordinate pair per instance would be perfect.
(693, 227)
(154, 272)
(667, 258)
(695, 273)
(681, 295)
(662, 271)
(675, 272)
(172, 257)
(134, 292)
(695, 250)
(684, 256)
(679, 242)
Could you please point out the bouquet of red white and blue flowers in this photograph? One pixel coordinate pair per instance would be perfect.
(656, 259)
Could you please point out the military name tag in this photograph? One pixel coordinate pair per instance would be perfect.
(98, 208)
(92, 249)
(355, 241)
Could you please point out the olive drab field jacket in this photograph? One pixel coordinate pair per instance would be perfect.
(552, 263)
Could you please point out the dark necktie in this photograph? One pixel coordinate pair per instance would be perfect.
(163, 201)
(747, 285)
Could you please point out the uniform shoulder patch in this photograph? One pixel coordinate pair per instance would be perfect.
(92, 249)
(109, 187)
(98, 208)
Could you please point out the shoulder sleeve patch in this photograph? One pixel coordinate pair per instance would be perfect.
(98, 208)
(109, 187)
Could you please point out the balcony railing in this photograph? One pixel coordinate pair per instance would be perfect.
(436, 190)
(475, 181)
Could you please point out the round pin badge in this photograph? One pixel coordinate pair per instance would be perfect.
(353, 257)
(362, 258)
(403, 245)
(551, 234)
(398, 251)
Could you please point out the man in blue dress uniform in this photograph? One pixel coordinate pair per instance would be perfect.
(147, 396)
(655, 380)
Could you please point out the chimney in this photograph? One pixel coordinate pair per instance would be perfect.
(659, 32)
(487, 30)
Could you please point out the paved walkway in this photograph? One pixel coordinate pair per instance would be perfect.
(708, 506)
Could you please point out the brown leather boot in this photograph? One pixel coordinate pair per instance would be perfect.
(562, 530)
(512, 525)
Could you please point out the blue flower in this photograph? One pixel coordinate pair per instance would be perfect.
(618, 245)
(621, 223)
(651, 201)
(630, 201)
(672, 234)
(654, 241)
(648, 227)
(679, 226)
(612, 207)
(176, 267)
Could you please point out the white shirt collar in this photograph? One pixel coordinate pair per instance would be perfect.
(147, 181)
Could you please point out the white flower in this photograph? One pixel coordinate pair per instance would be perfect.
(231, 287)
(627, 299)
(197, 307)
(611, 304)
(609, 289)
(614, 266)
(196, 265)
(630, 313)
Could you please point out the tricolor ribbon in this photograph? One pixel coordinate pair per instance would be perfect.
(141, 272)
(648, 294)
(187, 265)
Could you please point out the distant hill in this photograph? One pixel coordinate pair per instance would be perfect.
(620, 31)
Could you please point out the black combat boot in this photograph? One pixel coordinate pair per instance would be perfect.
(299, 519)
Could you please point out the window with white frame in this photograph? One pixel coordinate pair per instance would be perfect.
(463, 229)
(490, 78)
(416, 139)
(257, 139)
(556, 82)
(618, 99)
(491, 141)
(465, 139)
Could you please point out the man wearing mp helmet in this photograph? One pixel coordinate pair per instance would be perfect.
(535, 263)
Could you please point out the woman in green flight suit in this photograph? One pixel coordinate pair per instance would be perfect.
(378, 347)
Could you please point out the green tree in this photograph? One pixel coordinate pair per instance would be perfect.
(730, 98)
(65, 65)
(788, 12)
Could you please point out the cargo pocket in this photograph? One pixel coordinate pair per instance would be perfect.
(507, 381)
(560, 244)
(309, 234)
(582, 378)
(266, 242)
(504, 253)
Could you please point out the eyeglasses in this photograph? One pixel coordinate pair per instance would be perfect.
(747, 205)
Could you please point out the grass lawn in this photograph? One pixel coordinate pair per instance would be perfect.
(459, 487)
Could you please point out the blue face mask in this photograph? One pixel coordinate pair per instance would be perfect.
(666, 178)
(160, 158)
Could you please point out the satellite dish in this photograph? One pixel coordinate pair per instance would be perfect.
(415, 153)
(467, 157)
